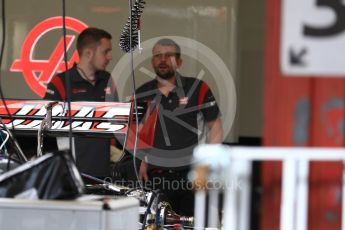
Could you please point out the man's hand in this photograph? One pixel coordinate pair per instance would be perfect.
(143, 171)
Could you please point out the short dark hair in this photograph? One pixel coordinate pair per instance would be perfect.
(91, 36)
(169, 42)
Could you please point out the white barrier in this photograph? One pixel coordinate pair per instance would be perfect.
(293, 215)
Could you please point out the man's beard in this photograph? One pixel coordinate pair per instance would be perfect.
(166, 75)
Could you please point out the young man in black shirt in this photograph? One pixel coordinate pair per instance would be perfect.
(89, 82)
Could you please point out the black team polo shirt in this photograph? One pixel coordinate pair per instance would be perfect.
(92, 154)
(176, 132)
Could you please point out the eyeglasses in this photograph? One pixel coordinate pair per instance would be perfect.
(164, 55)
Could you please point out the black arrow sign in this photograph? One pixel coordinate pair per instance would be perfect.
(296, 58)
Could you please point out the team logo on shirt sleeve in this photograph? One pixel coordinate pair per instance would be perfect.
(183, 101)
(107, 90)
(78, 90)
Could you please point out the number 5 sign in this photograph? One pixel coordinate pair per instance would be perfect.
(313, 37)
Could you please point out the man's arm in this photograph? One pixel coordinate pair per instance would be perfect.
(143, 171)
(211, 113)
(55, 90)
(111, 95)
(215, 131)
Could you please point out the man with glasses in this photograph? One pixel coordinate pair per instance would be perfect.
(178, 103)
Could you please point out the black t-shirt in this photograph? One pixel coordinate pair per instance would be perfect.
(177, 131)
(92, 154)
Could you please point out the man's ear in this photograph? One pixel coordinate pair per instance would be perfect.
(88, 52)
(179, 62)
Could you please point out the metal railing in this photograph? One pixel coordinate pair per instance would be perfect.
(235, 163)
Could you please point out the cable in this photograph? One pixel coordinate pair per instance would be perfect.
(121, 190)
(5, 149)
(128, 42)
(6, 139)
(153, 196)
(67, 76)
(134, 99)
(17, 148)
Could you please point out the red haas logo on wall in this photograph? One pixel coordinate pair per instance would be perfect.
(37, 73)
